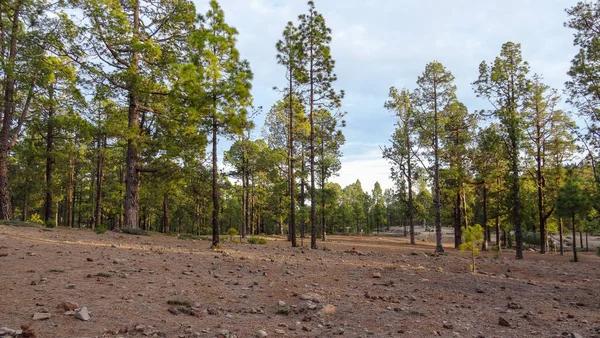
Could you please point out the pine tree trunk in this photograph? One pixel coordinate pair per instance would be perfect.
(132, 186)
(7, 116)
(69, 195)
(574, 237)
(26, 201)
(486, 236)
(165, 216)
(411, 204)
(436, 179)
(303, 195)
(48, 203)
(313, 202)
(560, 235)
(244, 205)
(99, 180)
(581, 239)
(215, 188)
(457, 221)
(516, 210)
(291, 179)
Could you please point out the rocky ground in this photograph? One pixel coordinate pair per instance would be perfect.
(160, 286)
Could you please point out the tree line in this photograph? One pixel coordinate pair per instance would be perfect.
(112, 112)
(523, 165)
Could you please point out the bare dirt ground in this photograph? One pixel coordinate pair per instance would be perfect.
(378, 287)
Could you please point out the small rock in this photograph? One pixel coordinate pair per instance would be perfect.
(376, 275)
(503, 322)
(89, 259)
(279, 331)
(261, 333)
(327, 310)
(41, 316)
(82, 314)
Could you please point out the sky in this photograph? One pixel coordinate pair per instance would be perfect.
(381, 43)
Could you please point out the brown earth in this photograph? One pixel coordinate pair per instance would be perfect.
(238, 289)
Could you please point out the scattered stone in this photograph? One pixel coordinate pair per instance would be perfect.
(327, 310)
(514, 306)
(261, 333)
(414, 253)
(82, 313)
(448, 326)
(503, 322)
(41, 316)
(89, 259)
(279, 332)
(67, 306)
(312, 297)
(376, 275)
(339, 331)
(575, 335)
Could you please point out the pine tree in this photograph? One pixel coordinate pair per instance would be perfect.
(400, 153)
(290, 55)
(504, 83)
(319, 65)
(435, 91)
(227, 89)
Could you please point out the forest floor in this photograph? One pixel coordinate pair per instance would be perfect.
(358, 287)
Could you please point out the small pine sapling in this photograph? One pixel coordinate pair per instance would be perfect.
(473, 237)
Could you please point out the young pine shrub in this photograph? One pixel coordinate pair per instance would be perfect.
(232, 232)
(473, 236)
(257, 240)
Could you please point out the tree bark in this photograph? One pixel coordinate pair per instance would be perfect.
(99, 180)
(291, 179)
(457, 221)
(132, 195)
(7, 116)
(165, 216)
(69, 195)
(215, 188)
(574, 237)
(436, 176)
(486, 236)
(560, 235)
(516, 211)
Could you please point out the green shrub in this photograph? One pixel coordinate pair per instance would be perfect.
(257, 240)
(100, 229)
(50, 223)
(35, 218)
(473, 235)
(232, 232)
(598, 251)
(187, 236)
(532, 238)
(135, 231)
